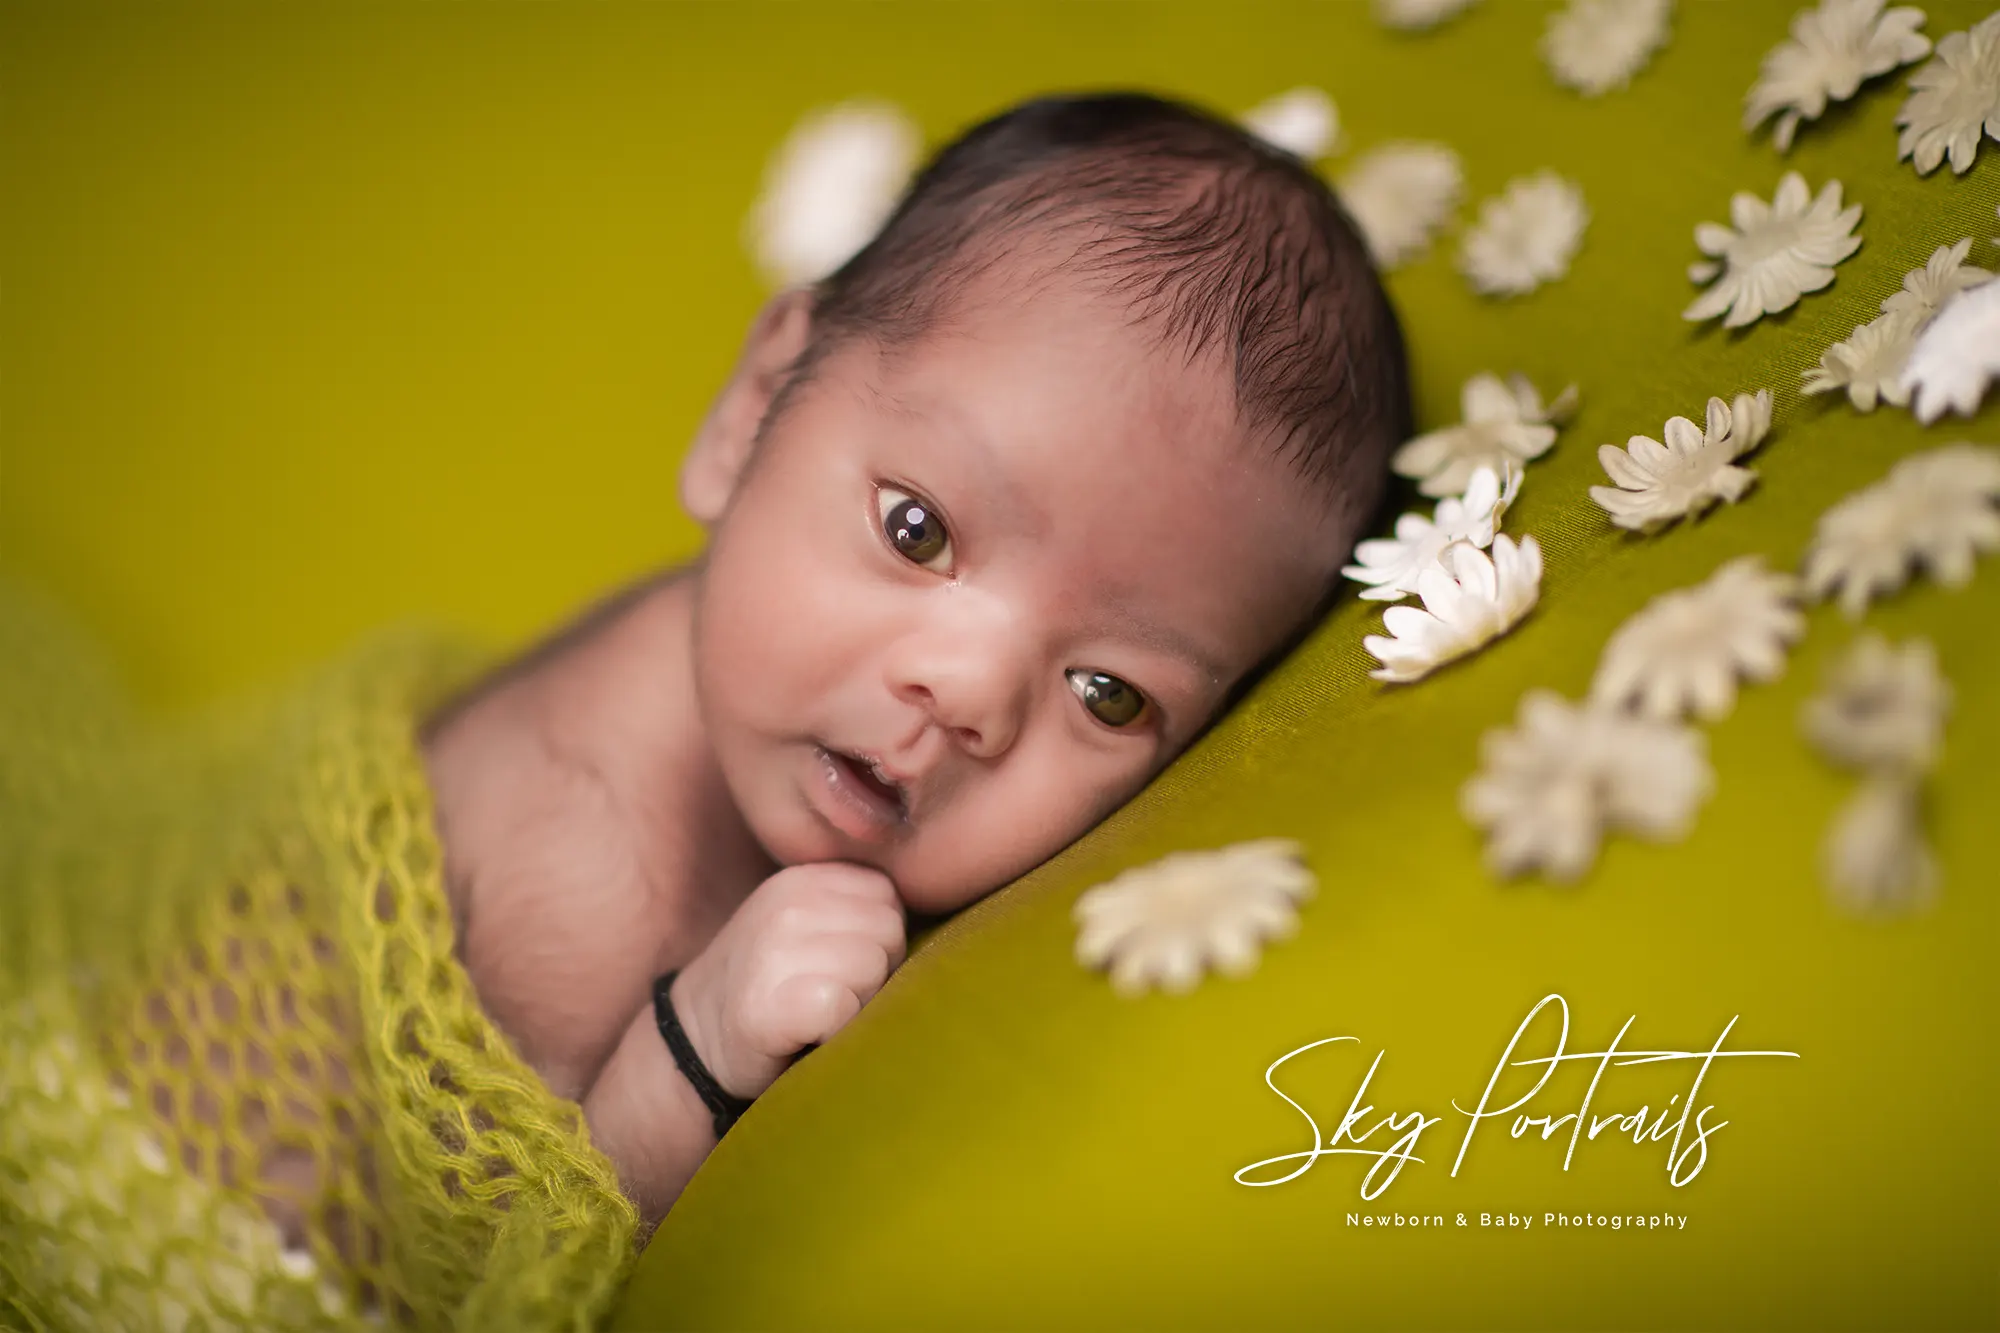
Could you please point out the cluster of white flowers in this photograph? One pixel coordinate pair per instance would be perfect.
(1658, 484)
(1168, 922)
(1954, 100)
(829, 188)
(1549, 789)
(1469, 597)
(1935, 510)
(1773, 253)
(1870, 362)
(1832, 51)
(1881, 713)
(1526, 235)
(1595, 46)
(1626, 759)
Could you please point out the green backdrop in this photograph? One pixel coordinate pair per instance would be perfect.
(317, 317)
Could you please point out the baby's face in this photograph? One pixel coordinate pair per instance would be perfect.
(1017, 567)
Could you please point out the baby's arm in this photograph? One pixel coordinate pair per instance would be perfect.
(797, 960)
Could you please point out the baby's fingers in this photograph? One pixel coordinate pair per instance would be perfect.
(813, 1006)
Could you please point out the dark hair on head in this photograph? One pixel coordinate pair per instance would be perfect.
(1218, 239)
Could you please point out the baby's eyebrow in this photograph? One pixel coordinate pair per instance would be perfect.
(1166, 639)
(997, 482)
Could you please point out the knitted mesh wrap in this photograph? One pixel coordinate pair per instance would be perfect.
(244, 1083)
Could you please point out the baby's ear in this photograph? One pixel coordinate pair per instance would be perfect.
(722, 446)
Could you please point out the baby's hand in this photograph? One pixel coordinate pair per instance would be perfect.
(796, 961)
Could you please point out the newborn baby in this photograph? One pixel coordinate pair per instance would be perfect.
(1001, 516)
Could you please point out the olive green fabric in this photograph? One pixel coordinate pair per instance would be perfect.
(999, 1141)
(316, 317)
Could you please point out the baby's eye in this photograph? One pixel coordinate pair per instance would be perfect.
(1109, 699)
(911, 527)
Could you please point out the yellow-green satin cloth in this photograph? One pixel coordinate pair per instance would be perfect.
(999, 1141)
(337, 314)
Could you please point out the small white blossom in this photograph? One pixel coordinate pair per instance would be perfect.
(1505, 423)
(1549, 789)
(1944, 275)
(1414, 15)
(829, 188)
(1399, 195)
(1935, 510)
(1525, 236)
(1868, 363)
(1774, 254)
(1390, 565)
(1953, 99)
(1469, 600)
(1659, 483)
(1956, 356)
(1304, 122)
(1595, 46)
(1165, 923)
(1875, 858)
(1683, 652)
(1881, 709)
(1832, 51)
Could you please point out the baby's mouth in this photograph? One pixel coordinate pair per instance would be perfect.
(866, 782)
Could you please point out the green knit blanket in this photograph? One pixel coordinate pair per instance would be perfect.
(244, 1083)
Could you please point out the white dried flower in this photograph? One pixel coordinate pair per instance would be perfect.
(1399, 195)
(829, 188)
(1391, 565)
(1550, 788)
(1875, 857)
(1525, 236)
(1881, 708)
(1832, 51)
(1683, 652)
(1595, 46)
(1944, 275)
(1469, 600)
(1505, 423)
(1956, 356)
(1304, 122)
(1660, 483)
(1414, 15)
(1774, 254)
(1935, 510)
(1166, 922)
(1953, 99)
(1868, 363)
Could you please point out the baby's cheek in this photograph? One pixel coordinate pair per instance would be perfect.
(998, 830)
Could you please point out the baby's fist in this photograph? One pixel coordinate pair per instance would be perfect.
(796, 961)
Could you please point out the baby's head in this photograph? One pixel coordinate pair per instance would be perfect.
(1017, 502)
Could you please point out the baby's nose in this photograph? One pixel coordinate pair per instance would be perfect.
(974, 685)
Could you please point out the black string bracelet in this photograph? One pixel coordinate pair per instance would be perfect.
(725, 1106)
